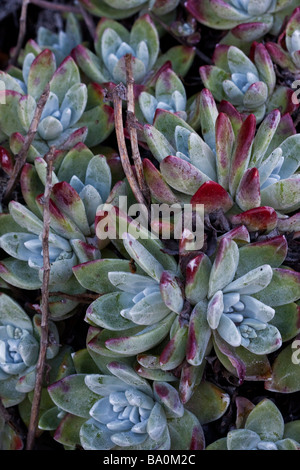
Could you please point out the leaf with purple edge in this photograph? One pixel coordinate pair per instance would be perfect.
(248, 191)
(171, 292)
(181, 175)
(208, 402)
(272, 251)
(168, 396)
(186, 432)
(197, 278)
(224, 147)
(241, 152)
(284, 288)
(66, 75)
(146, 338)
(40, 73)
(242, 363)
(174, 352)
(199, 335)
(93, 275)
(224, 267)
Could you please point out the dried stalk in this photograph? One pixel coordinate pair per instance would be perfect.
(22, 156)
(117, 94)
(44, 306)
(133, 131)
(22, 32)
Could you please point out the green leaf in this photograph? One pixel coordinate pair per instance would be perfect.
(266, 420)
(19, 274)
(93, 275)
(12, 313)
(272, 251)
(146, 339)
(287, 320)
(112, 303)
(208, 402)
(67, 432)
(186, 432)
(40, 73)
(72, 395)
(224, 267)
(284, 288)
(66, 75)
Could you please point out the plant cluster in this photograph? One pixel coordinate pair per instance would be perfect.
(123, 332)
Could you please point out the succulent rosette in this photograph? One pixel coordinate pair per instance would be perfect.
(286, 51)
(235, 338)
(113, 42)
(231, 304)
(248, 19)
(259, 427)
(252, 170)
(144, 304)
(81, 185)
(61, 43)
(119, 9)
(122, 411)
(71, 113)
(19, 346)
(168, 93)
(247, 83)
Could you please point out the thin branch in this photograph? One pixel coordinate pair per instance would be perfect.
(22, 32)
(88, 21)
(118, 93)
(44, 341)
(133, 131)
(22, 156)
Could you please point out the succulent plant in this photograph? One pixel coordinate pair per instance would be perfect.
(71, 114)
(253, 174)
(247, 19)
(263, 429)
(122, 411)
(140, 303)
(248, 83)
(19, 346)
(119, 9)
(286, 51)
(113, 41)
(150, 308)
(61, 43)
